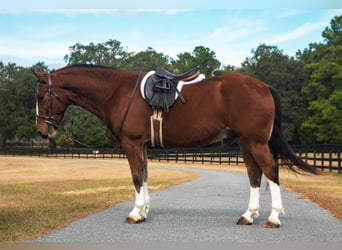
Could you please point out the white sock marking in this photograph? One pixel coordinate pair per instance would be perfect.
(142, 203)
(277, 205)
(253, 205)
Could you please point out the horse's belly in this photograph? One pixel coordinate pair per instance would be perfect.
(197, 138)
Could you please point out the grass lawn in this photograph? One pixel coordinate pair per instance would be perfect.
(38, 195)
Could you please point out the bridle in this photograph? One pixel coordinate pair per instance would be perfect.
(50, 120)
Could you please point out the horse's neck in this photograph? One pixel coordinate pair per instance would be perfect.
(88, 103)
(91, 93)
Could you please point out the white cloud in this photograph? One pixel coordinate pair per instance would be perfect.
(235, 30)
(299, 32)
(230, 34)
(23, 49)
(167, 4)
(233, 41)
(290, 13)
(43, 52)
(109, 11)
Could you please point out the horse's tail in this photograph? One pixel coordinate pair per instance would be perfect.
(278, 145)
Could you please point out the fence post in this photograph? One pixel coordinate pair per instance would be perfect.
(322, 160)
(330, 160)
(237, 157)
(339, 161)
(314, 157)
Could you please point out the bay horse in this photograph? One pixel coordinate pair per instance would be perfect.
(230, 103)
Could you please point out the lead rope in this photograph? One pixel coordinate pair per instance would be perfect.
(130, 102)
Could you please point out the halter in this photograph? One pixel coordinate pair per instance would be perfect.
(49, 119)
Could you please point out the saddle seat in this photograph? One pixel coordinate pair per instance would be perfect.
(187, 76)
(160, 90)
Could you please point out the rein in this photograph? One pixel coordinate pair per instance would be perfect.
(130, 102)
(66, 133)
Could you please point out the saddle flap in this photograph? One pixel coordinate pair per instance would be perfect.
(161, 89)
(159, 92)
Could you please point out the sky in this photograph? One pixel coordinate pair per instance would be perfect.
(42, 31)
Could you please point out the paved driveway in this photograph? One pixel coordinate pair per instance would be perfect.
(205, 210)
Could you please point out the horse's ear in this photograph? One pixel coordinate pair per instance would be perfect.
(40, 76)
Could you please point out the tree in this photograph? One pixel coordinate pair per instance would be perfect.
(17, 102)
(146, 60)
(333, 35)
(324, 89)
(110, 53)
(225, 69)
(202, 57)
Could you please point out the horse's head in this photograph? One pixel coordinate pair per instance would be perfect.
(51, 104)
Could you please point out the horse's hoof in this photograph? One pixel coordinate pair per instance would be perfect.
(131, 220)
(271, 224)
(243, 221)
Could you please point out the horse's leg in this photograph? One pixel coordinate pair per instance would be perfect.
(137, 158)
(264, 159)
(254, 174)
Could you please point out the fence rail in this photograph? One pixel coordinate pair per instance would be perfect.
(325, 157)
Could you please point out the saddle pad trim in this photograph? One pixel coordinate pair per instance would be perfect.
(143, 82)
(180, 85)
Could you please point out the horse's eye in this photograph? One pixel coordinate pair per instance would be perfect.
(40, 98)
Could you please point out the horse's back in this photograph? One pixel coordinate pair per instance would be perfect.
(233, 91)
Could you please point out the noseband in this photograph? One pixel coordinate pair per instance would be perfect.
(49, 119)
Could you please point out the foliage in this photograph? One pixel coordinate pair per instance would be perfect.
(202, 57)
(17, 102)
(310, 86)
(110, 53)
(146, 60)
(324, 89)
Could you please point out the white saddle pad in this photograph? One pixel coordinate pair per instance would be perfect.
(180, 85)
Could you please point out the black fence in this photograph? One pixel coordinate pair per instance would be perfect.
(326, 157)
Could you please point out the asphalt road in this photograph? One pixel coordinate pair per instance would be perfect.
(205, 210)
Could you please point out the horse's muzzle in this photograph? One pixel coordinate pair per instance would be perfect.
(43, 135)
(49, 132)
